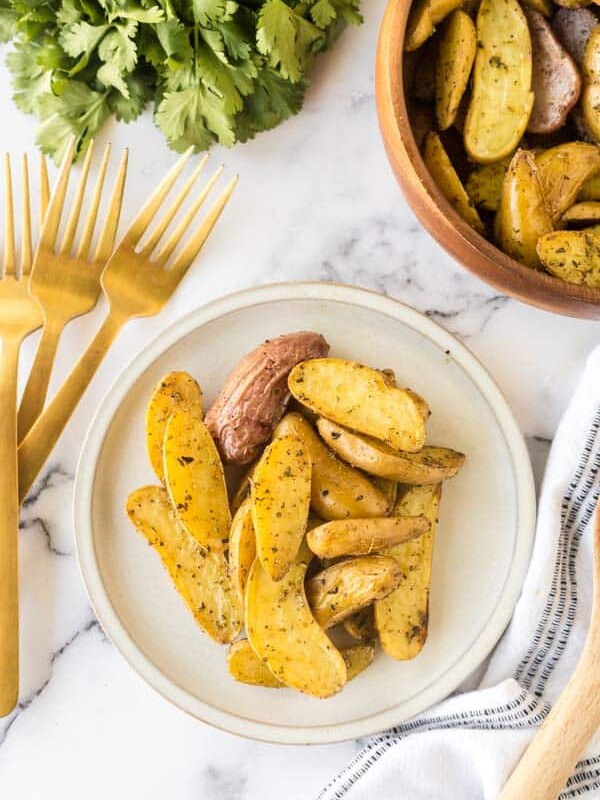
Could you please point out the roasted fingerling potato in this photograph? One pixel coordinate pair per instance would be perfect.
(458, 44)
(361, 537)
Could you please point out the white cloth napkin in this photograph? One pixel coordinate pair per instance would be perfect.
(466, 747)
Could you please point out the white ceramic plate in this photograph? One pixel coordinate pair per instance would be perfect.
(483, 541)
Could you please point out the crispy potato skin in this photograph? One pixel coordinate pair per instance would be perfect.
(563, 170)
(429, 465)
(439, 165)
(343, 588)
(402, 617)
(361, 537)
(177, 391)
(458, 44)
(556, 80)
(484, 184)
(360, 398)
(246, 667)
(242, 547)
(522, 217)
(285, 635)
(573, 27)
(280, 493)
(587, 211)
(425, 15)
(590, 96)
(502, 99)
(573, 256)
(200, 575)
(195, 480)
(255, 394)
(337, 490)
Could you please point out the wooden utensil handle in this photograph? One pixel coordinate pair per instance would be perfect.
(36, 387)
(9, 528)
(551, 757)
(39, 442)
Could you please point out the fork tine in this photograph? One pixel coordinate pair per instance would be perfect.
(26, 258)
(9, 220)
(111, 223)
(187, 220)
(73, 220)
(193, 247)
(162, 226)
(44, 188)
(140, 224)
(90, 222)
(54, 213)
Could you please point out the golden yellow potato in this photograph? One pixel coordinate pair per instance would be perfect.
(563, 171)
(242, 491)
(401, 618)
(357, 658)
(177, 391)
(429, 465)
(286, 636)
(361, 625)
(280, 492)
(424, 16)
(200, 574)
(439, 165)
(586, 211)
(195, 480)
(360, 537)
(501, 100)
(242, 547)
(573, 256)
(337, 490)
(346, 586)
(359, 398)
(246, 667)
(458, 43)
(545, 7)
(590, 96)
(590, 189)
(388, 488)
(522, 216)
(484, 184)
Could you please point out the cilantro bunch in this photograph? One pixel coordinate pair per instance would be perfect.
(215, 70)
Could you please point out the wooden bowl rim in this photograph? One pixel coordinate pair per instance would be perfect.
(468, 247)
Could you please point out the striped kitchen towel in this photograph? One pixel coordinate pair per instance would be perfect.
(466, 747)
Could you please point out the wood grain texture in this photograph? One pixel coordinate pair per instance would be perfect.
(469, 248)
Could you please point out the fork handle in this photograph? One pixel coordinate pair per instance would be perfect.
(36, 387)
(39, 442)
(9, 528)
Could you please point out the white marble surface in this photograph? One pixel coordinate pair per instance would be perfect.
(316, 201)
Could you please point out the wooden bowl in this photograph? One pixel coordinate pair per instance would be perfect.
(469, 248)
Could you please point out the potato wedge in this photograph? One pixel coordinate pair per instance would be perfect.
(388, 488)
(255, 394)
(337, 491)
(246, 667)
(502, 99)
(280, 492)
(242, 547)
(422, 121)
(424, 17)
(484, 184)
(401, 618)
(177, 391)
(361, 537)
(286, 636)
(359, 398)
(343, 588)
(195, 480)
(556, 81)
(429, 465)
(199, 574)
(574, 26)
(242, 491)
(590, 95)
(442, 171)
(361, 625)
(573, 256)
(522, 216)
(590, 189)
(587, 211)
(563, 170)
(458, 44)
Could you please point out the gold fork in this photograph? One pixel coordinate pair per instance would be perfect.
(19, 316)
(67, 284)
(136, 284)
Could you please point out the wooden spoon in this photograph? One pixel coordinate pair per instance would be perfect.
(550, 759)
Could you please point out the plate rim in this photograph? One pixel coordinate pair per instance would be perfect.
(84, 537)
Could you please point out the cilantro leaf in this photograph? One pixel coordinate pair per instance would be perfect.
(286, 38)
